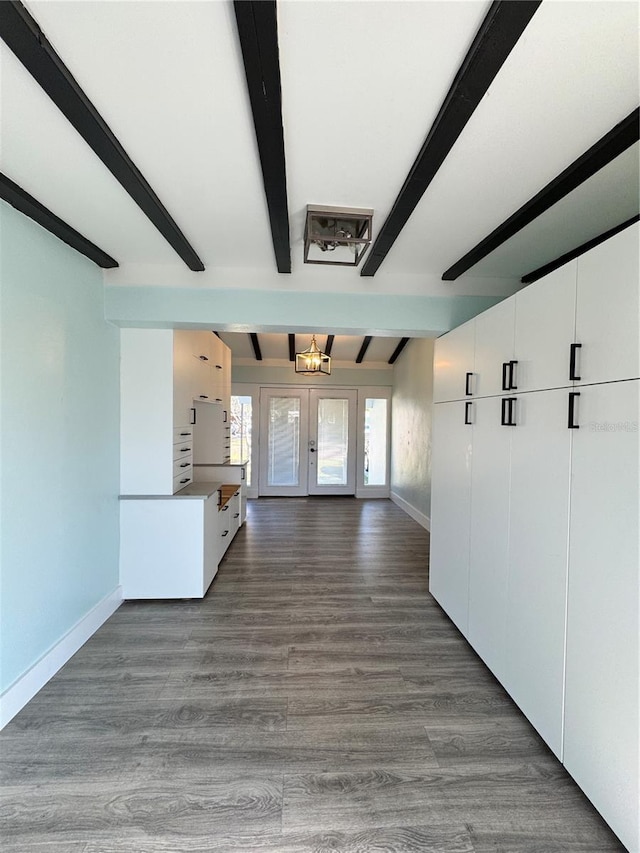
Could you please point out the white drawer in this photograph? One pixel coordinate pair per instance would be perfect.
(182, 480)
(182, 434)
(183, 466)
(183, 450)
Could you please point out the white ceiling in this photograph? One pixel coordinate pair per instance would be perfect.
(361, 82)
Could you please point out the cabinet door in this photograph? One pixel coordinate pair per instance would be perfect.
(607, 310)
(183, 383)
(453, 360)
(601, 705)
(217, 367)
(211, 550)
(208, 434)
(538, 535)
(451, 490)
(545, 328)
(488, 566)
(494, 347)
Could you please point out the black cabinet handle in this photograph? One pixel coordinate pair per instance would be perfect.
(512, 383)
(225, 533)
(185, 449)
(572, 409)
(508, 411)
(505, 378)
(237, 515)
(193, 416)
(203, 397)
(218, 367)
(242, 474)
(186, 480)
(203, 357)
(185, 465)
(573, 353)
(185, 433)
(467, 412)
(225, 507)
(218, 399)
(225, 418)
(467, 384)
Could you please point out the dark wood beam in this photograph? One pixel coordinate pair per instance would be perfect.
(31, 207)
(258, 30)
(398, 350)
(255, 343)
(363, 349)
(329, 346)
(606, 149)
(292, 347)
(574, 253)
(501, 28)
(22, 34)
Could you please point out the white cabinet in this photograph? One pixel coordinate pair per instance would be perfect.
(537, 577)
(168, 546)
(453, 360)
(233, 474)
(556, 618)
(450, 511)
(607, 311)
(488, 574)
(211, 427)
(544, 330)
(494, 348)
(601, 715)
(162, 375)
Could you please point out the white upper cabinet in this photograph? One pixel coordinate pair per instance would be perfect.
(453, 364)
(607, 311)
(544, 330)
(493, 366)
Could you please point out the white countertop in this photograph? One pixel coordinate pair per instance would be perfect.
(194, 491)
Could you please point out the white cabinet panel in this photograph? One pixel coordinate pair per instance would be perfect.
(453, 364)
(208, 434)
(545, 328)
(489, 533)
(601, 712)
(450, 511)
(494, 347)
(607, 311)
(538, 535)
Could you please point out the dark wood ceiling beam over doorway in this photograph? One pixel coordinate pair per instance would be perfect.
(292, 347)
(24, 37)
(363, 349)
(329, 345)
(398, 350)
(606, 149)
(258, 31)
(501, 28)
(255, 343)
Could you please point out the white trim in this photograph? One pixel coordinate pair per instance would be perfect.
(415, 514)
(15, 697)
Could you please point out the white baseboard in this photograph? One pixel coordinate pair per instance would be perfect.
(422, 519)
(29, 683)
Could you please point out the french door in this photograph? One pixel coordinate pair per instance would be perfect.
(307, 442)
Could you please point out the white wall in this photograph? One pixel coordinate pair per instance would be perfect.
(59, 448)
(411, 429)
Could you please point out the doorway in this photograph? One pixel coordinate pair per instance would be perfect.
(307, 442)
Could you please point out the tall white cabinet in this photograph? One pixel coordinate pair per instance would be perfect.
(534, 550)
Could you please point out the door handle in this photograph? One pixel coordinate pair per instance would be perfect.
(312, 450)
(572, 410)
(573, 353)
(505, 379)
(467, 384)
(467, 412)
(508, 411)
(512, 383)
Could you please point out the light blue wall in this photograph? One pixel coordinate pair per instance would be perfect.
(59, 383)
(411, 425)
(286, 375)
(264, 311)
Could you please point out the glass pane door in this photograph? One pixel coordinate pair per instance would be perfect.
(332, 442)
(283, 438)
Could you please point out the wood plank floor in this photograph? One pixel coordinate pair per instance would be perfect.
(317, 699)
